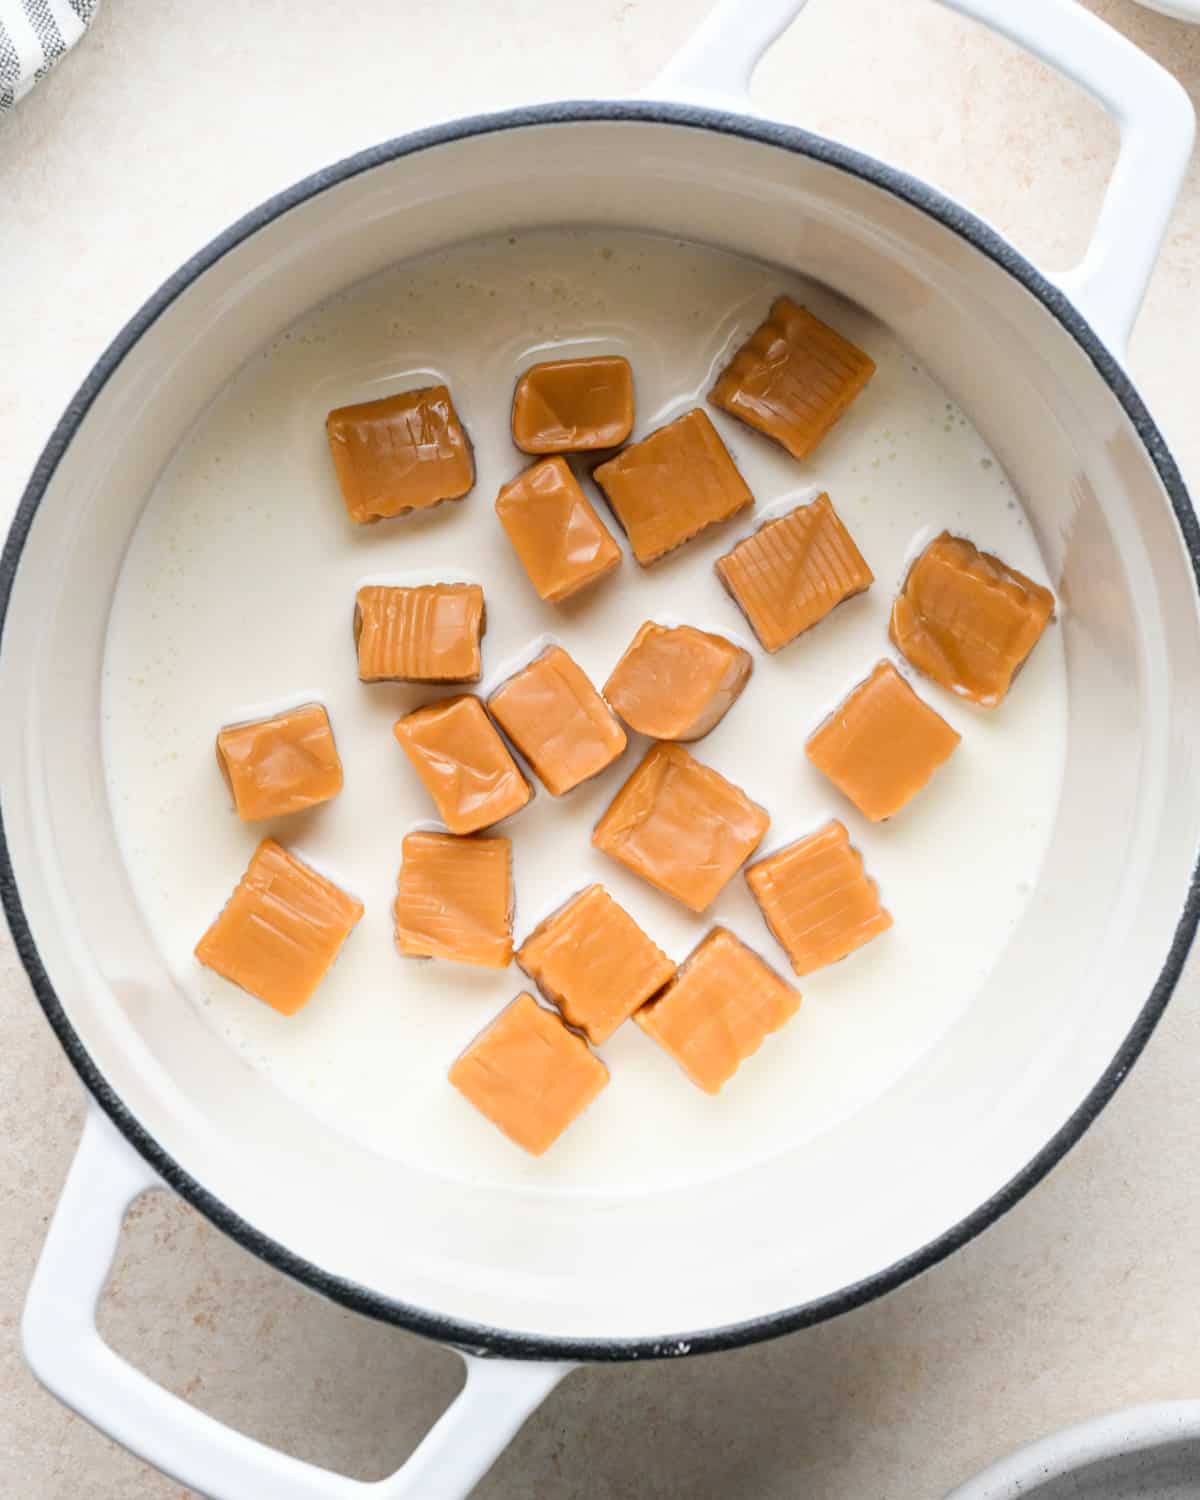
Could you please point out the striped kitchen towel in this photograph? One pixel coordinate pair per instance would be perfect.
(34, 34)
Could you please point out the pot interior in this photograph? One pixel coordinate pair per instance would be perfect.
(1037, 893)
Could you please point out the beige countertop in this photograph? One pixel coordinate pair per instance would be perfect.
(168, 121)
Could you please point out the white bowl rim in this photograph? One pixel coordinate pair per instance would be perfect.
(1177, 10)
(1071, 1450)
(455, 1331)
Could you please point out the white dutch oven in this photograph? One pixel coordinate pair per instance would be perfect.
(778, 1244)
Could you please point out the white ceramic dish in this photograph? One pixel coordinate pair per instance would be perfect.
(1144, 1453)
(537, 1280)
(1178, 10)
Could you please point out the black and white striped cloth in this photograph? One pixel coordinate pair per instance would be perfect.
(34, 34)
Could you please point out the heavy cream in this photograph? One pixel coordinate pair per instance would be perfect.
(238, 591)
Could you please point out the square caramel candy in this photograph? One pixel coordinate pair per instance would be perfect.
(672, 484)
(882, 744)
(817, 899)
(560, 540)
(594, 962)
(677, 682)
(558, 721)
(430, 633)
(716, 1012)
(791, 572)
(405, 452)
(681, 826)
(281, 764)
(280, 931)
(529, 1075)
(793, 378)
(968, 620)
(455, 899)
(573, 405)
(457, 752)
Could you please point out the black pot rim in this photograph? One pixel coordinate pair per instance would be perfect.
(457, 1332)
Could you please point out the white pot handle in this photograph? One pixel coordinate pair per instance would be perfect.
(66, 1353)
(1152, 110)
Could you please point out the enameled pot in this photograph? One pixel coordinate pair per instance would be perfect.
(783, 1242)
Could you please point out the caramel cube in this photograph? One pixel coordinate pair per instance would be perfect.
(455, 899)
(791, 572)
(594, 961)
(817, 899)
(426, 634)
(672, 484)
(558, 721)
(793, 378)
(677, 682)
(529, 1075)
(457, 752)
(968, 620)
(280, 931)
(573, 405)
(718, 1009)
(281, 764)
(882, 744)
(681, 826)
(406, 452)
(562, 543)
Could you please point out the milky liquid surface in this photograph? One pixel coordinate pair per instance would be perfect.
(237, 597)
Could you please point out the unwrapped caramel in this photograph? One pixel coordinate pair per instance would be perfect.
(791, 572)
(677, 682)
(529, 1075)
(718, 1009)
(882, 744)
(280, 765)
(968, 620)
(793, 378)
(672, 484)
(455, 899)
(573, 405)
(457, 752)
(280, 931)
(558, 721)
(681, 826)
(562, 543)
(429, 633)
(404, 452)
(817, 899)
(594, 962)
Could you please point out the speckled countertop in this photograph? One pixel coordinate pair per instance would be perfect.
(167, 122)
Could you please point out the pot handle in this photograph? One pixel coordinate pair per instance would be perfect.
(66, 1353)
(1152, 111)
